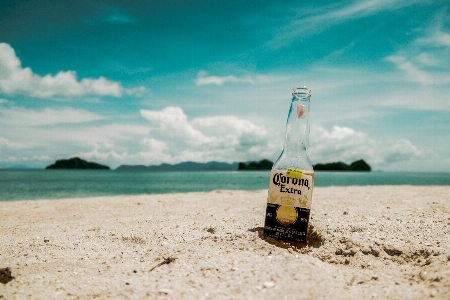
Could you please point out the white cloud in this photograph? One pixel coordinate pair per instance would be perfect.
(49, 116)
(424, 71)
(173, 122)
(99, 154)
(443, 38)
(412, 71)
(137, 91)
(225, 138)
(169, 136)
(14, 79)
(233, 132)
(435, 37)
(154, 145)
(229, 138)
(172, 138)
(340, 144)
(114, 136)
(422, 98)
(426, 68)
(38, 137)
(204, 79)
(38, 146)
(13, 145)
(427, 59)
(221, 125)
(401, 150)
(347, 145)
(311, 21)
(4, 101)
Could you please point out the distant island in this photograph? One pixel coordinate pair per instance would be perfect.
(263, 164)
(358, 165)
(184, 166)
(76, 163)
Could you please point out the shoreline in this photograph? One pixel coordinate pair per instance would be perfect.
(213, 191)
(363, 242)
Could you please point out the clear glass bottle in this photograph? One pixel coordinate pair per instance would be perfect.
(292, 176)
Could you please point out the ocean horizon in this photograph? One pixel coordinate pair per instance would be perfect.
(58, 184)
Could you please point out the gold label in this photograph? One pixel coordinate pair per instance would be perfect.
(286, 215)
(290, 191)
(294, 173)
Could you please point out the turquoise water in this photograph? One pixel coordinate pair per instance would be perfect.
(54, 184)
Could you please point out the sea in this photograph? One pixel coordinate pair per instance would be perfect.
(57, 184)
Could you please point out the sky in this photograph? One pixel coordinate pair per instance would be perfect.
(151, 82)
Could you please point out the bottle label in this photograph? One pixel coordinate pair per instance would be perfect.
(288, 205)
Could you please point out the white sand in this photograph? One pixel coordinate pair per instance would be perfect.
(389, 242)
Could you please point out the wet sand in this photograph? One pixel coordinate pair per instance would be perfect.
(384, 242)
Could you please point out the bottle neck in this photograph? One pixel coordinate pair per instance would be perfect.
(296, 140)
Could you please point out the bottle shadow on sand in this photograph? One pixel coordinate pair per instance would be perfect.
(314, 239)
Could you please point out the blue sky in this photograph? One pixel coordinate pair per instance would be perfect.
(148, 82)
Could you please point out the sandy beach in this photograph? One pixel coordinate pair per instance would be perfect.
(383, 242)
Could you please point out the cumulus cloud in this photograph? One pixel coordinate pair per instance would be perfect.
(204, 79)
(173, 122)
(226, 138)
(347, 145)
(37, 146)
(171, 137)
(14, 79)
(340, 144)
(401, 150)
(36, 137)
(231, 131)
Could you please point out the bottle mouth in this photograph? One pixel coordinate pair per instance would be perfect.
(301, 92)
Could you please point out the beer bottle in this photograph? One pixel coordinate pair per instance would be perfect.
(292, 176)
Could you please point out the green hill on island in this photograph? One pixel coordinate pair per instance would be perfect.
(358, 165)
(263, 164)
(76, 163)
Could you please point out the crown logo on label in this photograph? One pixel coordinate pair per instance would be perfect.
(287, 201)
(272, 197)
(303, 201)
